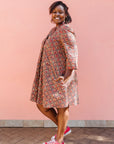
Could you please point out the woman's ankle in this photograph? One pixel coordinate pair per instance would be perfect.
(59, 139)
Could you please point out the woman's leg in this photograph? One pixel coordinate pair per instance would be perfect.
(63, 115)
(49, 112)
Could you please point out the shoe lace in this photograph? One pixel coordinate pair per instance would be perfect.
(53, 137)
(51, 141)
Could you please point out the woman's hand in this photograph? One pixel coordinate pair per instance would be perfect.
(67, 74)
(60, 78)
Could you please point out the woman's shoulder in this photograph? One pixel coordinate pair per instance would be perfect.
(66, 28)
(51, 30)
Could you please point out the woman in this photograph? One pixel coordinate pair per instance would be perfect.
(55, 83)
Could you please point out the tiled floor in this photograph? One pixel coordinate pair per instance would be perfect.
(79, 135)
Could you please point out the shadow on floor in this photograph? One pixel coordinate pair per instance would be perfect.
(40, 135)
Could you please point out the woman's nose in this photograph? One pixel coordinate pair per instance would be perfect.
(57, 13)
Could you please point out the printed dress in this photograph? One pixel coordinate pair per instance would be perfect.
(58, 52)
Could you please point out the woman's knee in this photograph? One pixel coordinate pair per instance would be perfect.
(41, 108)
(63, 110)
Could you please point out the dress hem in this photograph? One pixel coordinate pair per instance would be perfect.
(73, 104)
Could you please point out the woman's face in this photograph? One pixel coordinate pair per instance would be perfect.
(58, 15)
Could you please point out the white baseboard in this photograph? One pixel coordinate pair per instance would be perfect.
(49, 123)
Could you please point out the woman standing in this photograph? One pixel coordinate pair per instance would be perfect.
(55, 82)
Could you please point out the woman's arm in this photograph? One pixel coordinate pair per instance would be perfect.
(68, 40)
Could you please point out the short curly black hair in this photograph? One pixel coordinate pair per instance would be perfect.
(68, 18)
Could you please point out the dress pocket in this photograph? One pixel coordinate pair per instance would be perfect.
(61, 88)
(63, 82)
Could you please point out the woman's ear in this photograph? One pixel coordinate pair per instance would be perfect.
(65, 15)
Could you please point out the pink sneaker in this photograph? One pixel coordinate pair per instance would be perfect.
(67, 131)
(52, 142)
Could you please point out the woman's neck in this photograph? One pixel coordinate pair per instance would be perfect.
(58, 25)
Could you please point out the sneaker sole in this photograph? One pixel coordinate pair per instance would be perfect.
(53, 137)
(68, 133)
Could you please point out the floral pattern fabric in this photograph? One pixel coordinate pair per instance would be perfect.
(58, 52)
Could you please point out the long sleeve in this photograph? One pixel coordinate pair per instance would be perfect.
(68, 40)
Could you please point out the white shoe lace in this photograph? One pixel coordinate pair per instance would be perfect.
(49, 142)
(53, 138)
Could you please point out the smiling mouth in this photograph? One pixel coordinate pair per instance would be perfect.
(57, 18)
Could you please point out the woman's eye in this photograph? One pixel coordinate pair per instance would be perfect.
(59, 12)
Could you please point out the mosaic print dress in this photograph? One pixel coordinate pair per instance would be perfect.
(58, 52)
